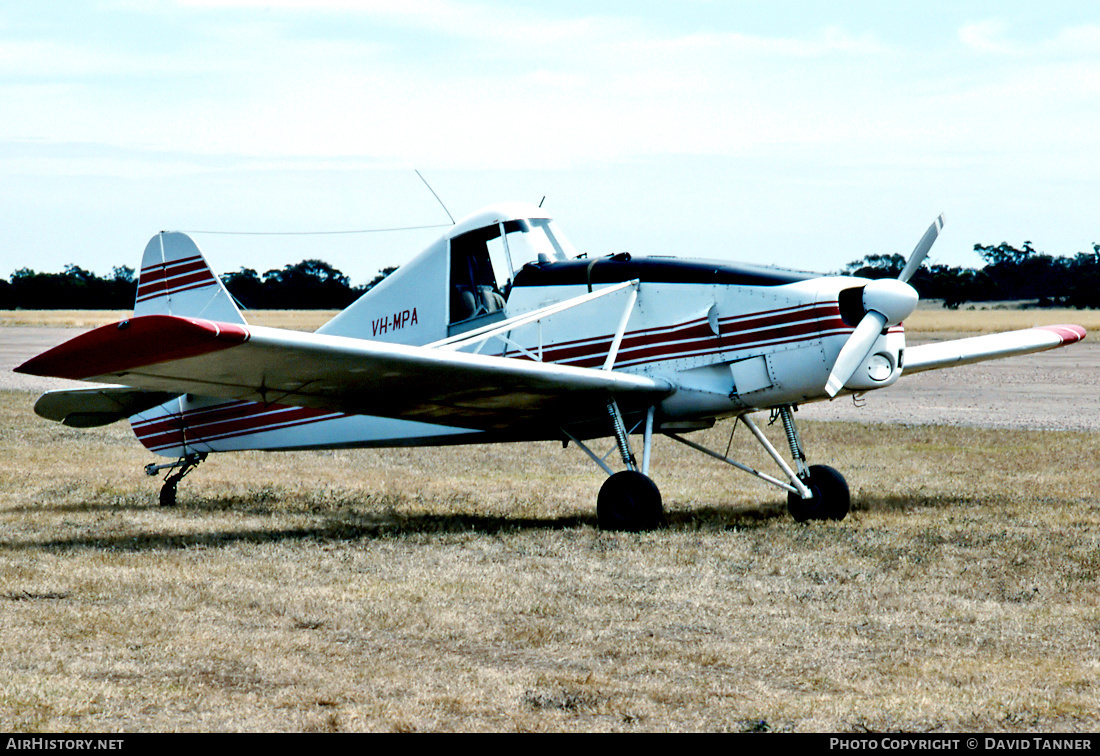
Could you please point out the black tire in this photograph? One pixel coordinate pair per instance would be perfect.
(168, 495)
(629, 501)
(831, 498)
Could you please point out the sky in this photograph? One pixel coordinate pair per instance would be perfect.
(797, 134)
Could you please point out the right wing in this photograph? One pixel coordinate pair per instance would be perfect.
(945, 354)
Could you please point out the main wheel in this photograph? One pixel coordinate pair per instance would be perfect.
(831, 498)
(630, 501)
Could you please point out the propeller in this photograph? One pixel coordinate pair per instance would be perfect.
(886, 302)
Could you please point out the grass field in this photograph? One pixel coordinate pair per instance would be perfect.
(468, 589)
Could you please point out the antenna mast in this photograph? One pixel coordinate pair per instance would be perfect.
(448, 212)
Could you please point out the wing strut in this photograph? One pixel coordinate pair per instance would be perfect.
(613, 352)
(497, 330)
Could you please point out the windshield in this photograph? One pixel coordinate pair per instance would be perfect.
(527, 240)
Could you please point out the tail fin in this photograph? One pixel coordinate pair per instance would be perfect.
(176, 279)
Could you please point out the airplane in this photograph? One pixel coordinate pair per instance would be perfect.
(500, 331)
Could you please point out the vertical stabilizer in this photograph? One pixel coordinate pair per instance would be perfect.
(176, 279)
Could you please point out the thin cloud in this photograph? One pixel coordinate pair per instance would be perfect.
(993, 36)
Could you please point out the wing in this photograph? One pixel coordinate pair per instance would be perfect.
(178, 355)
(992, 347)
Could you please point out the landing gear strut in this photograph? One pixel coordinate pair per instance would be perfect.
(629, 500)
(182, 467)
(814, 492)
(829, 496)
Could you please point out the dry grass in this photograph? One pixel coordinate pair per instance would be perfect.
(468, 589)
(966, 322)
(62, 318)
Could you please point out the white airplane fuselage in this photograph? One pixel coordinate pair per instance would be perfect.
(727, 338)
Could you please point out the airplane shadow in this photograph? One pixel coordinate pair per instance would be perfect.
(349, 524)
(352, 524)
(895, 502)
(722, 517)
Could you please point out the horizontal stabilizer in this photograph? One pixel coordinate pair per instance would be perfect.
(944, 354)
(92, 407)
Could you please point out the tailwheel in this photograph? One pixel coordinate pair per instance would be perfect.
(629, 501)
(831, 498)
(181, 468)
(168, 494)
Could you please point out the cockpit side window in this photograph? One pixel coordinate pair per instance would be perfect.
(478, 262)
(484, 262)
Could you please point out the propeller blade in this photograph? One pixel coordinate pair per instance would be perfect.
(855, 351)
(885, 301)
(921, 250)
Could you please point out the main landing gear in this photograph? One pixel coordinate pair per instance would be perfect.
(814, 492)
(182, 467)
(630, 501)
(829, 498)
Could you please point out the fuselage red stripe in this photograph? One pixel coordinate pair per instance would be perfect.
(197, 413)
(205, 417)
(237, 420)
(251, 414)
(735, 322)
(695, 338)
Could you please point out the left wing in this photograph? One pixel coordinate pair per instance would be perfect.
(994, 346)
(177, 355)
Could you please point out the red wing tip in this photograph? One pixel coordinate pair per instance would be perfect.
(137, 342)
(1069, 333)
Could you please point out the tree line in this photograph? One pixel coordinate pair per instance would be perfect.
(308, 285)
(1010, 274)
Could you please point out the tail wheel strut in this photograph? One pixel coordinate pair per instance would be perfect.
(181, 468)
